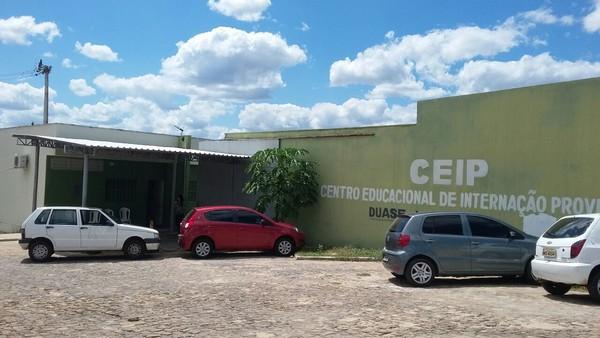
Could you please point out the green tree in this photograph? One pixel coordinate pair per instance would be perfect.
(283, 178)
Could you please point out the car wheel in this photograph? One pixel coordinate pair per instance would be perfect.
(420, 272)
(285, 247)
(528, 276)
(40, 251)
(134, 249)
(557, 289)
(594, 286)
(202, 248)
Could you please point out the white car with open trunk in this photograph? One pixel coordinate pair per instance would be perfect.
(54, 229)
(568, 253)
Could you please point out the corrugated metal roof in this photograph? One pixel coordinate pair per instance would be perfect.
(93, 144)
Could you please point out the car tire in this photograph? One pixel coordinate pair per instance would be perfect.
(202, 248)
(557, 289)
(528, 277)
(285, 247)
(40, 251)
(134, 249)
(420, 272)
(594, 286)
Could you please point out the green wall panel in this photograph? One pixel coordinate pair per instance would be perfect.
(539, 144)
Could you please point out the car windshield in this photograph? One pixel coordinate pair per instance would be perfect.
(399, 224)
(569, 227)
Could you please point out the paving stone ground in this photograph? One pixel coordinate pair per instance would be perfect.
(256, 295)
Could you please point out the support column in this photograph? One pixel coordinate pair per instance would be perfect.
(84, 183)
(36, 172)
(173, 184)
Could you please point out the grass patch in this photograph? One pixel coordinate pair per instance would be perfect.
(341, 252)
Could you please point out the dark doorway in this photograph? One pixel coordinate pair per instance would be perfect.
(155, 204)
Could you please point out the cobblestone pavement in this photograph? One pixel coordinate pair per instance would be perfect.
(261, 296)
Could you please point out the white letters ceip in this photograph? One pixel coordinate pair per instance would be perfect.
(444, 171)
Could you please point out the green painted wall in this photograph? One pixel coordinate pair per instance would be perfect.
(539, 144)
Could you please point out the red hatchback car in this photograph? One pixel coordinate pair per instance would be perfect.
(234, 228)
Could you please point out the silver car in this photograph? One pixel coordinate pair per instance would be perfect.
(422, 246)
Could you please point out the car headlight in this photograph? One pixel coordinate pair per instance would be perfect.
(156, 235)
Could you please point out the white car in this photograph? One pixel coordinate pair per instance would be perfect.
(568, 253)
(53, 229)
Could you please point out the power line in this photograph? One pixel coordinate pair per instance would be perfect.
(23, 75)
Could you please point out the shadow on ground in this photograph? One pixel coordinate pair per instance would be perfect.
(575, 298)
(66, 258)
(473, 282)
(233, 255)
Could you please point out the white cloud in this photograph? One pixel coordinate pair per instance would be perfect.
(591, 22)
(412, 89)
(352, 113)
(225, 63)
(485, 75)
(545, 16)
(154, 87)
(134, 113)
(21, 103)
(243, 10)
(67, 63)
(49, 55)
(18, 30)
(427, 56)
(80, 87)
(97, 52)
(425, 66)
(19, 96)
(304, 27)
(203, 80)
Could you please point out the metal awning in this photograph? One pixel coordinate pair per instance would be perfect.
(89, 146)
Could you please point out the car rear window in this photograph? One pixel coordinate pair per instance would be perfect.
(443, 225)
(399, 224)
(219, 215)
(43, 217)
(188, 215)
(569, 227)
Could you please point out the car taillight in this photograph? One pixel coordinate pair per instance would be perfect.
(403, 240)
(576, 248)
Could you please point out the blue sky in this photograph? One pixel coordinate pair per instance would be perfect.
(215, 66)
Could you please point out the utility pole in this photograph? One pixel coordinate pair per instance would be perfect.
(44, 69)
(41, 69)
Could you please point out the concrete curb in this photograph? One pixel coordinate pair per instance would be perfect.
(339, 259)
(9, 237)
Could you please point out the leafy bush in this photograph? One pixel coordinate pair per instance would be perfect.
(282, 178)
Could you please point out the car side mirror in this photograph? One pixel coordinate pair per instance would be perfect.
(514, 235)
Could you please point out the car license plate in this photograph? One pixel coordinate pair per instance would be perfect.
(549, 252)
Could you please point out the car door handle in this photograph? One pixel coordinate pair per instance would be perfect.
(429, 241)
(82, 228)
(475, 243)
(49, 227)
